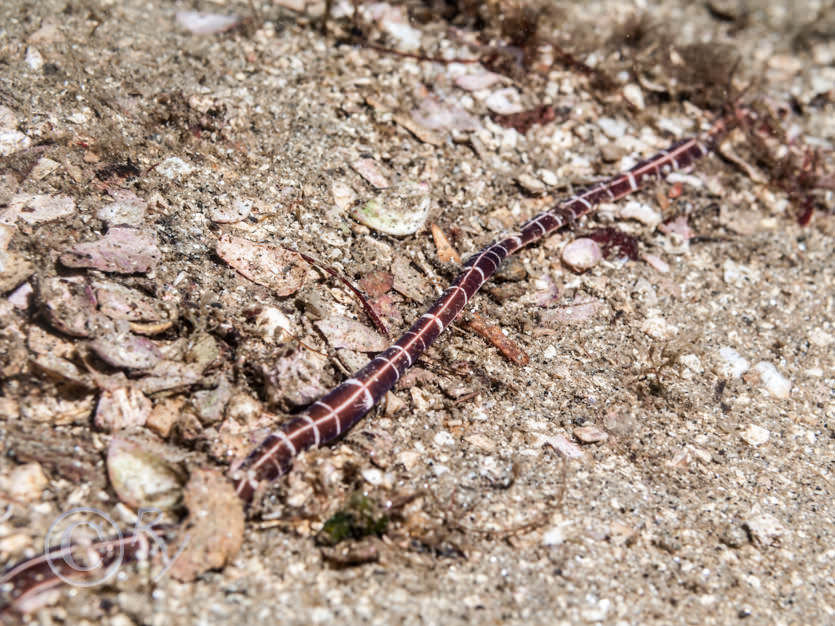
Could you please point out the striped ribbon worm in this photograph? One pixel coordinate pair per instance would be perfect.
(339, 410)
(346, 404)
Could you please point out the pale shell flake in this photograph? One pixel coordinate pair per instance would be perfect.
(399, 212)
(732, 363)
(505, 101)
(342, 332)
(778, 385)
(122, 250)
(124, 407)
(755, 435)
(42, 208)
(274, 267)
(141, 475)
(206, 23)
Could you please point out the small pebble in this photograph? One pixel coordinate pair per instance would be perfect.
(174, 167)
(641, 212)
(658, 328)
(343, 195)
(505, 101)
(755, 435)
(531, 184)
(206, 23)
(764, 529)
(27, 482)
(443, 438)
(226, 213)
(778, 385)
(634, 96)
(273, 325)
(582, 254)
(34, 59)
(141, 475)
(614, 129)
(372, 476)
(478, 80)
(732, 364)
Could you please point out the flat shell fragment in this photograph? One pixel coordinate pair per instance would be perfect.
(590, 434)
(12, 140)
(505, 101)
(124, 303)
(564, 447)
(121, 408)
(122, 250)
(426, 135)
(127, 209)
(400, 211)
(274, 267)
(38, 209)
(342, 332)
(372, 172)
(142, 476)
(226, 213)
(127, 351)
(70, 306)
(206, 23)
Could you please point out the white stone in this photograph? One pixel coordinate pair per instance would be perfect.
(641, 212)
(634, 96)
(34, 59)
(582, 254)
(765, 529)
(12, 140)
(778, 385)
(443, 438)
(732, 364)
(755, 435)
(614, 129)
(172, 167)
